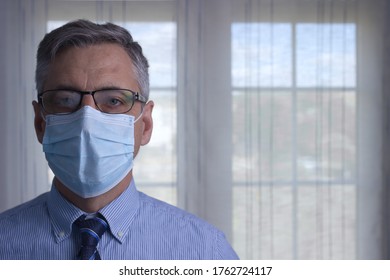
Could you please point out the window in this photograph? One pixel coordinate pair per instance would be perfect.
(294, 138)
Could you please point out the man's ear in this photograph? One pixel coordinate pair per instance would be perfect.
(147, 121)
(39, 122)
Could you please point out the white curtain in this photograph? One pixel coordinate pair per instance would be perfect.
(270, 122)
(23, 170)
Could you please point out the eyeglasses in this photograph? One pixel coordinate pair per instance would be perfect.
(111, 101)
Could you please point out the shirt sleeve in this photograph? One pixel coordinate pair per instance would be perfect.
(224, 250)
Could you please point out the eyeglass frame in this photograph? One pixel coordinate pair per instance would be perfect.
(136, 95)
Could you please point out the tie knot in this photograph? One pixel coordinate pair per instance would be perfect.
(91, 229)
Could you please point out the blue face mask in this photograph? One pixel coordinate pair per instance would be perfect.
(90, 152)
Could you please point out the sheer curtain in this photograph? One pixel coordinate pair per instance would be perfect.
(23, 170)
(294, 108)
(270, 121)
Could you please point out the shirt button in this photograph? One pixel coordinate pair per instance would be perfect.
(61, 234)
(120, 233)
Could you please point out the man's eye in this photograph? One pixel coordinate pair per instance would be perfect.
(62, 99)
(115, 102)
(65, 101)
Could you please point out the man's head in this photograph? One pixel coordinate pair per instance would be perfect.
(83, 33)
(89, 59)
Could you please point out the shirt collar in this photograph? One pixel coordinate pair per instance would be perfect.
(119, 213)
(62, 214)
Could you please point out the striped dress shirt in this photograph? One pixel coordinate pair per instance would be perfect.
(140, 227)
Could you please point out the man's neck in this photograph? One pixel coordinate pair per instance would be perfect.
(93, 204)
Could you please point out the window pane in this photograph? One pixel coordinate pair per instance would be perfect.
(326, 55)
(326, 221)
(263, 224)
(326, 129)
(262, 135)
(158, 41)
(261, 55)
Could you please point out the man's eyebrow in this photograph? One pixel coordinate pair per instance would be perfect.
(61, 86)
(109, 87)
(72, 87)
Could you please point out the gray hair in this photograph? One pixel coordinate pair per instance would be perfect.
(83, 33)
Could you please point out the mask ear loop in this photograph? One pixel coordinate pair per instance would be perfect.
(42, 115)
(140, 114)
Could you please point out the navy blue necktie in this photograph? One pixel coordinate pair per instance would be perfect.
(91, 230)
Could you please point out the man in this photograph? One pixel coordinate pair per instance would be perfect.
(91, 117)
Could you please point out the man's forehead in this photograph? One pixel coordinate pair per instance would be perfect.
(100, 51)
(94, 66)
